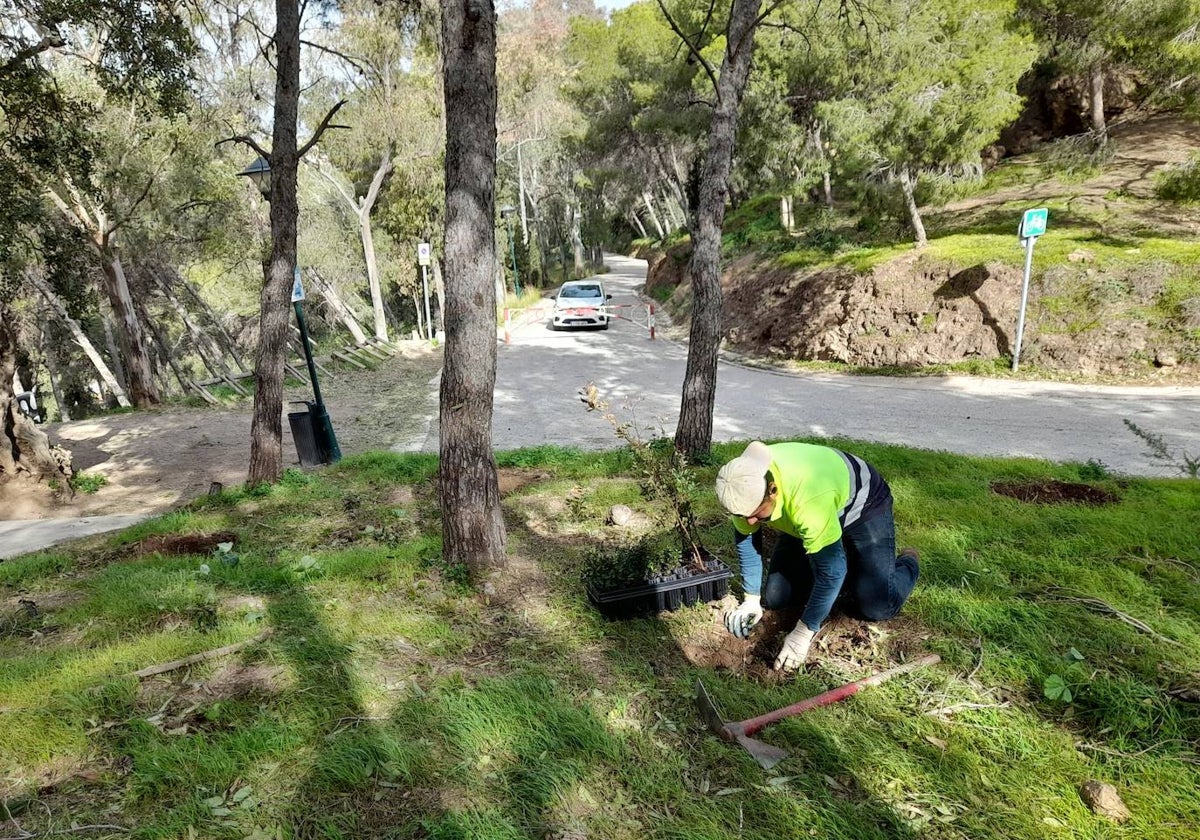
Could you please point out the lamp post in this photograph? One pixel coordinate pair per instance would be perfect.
(328, 451)
(507, 212)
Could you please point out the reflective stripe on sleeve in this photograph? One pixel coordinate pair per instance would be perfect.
(860, 488)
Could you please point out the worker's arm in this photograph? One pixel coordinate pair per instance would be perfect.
(829, 572)
(749, 560)
(741, 619)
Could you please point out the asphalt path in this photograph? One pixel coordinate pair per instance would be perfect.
(540, 373)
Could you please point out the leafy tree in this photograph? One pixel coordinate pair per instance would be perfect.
(908, 109)
(1093, 38)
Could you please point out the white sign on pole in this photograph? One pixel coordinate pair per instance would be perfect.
(423, 253)
(297, 287)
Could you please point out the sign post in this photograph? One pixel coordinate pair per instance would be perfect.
(424, 254)
(1033, 225)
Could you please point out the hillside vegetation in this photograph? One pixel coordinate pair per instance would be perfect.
(1115, 289)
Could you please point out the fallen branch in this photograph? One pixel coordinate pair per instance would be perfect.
(78, 829)
(200, 657)
(1189, 758)
(1105, 608)
(965, 707)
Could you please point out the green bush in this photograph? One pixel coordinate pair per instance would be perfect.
(1179, 183)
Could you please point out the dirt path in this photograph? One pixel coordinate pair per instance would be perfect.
(156, 460)
(1141, 150)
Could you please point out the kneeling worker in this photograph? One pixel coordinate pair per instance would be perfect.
(837, 537)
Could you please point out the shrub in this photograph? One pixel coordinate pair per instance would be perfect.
(1180, 182)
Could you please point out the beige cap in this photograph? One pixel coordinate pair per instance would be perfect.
(742, 483)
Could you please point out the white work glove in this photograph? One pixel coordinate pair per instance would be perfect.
(795, 648)
(741, 619)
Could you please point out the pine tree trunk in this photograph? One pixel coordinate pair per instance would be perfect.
(693, 436)
(143, 393)
(908, 186)
(472, 527)
(1099, 124)
(82, 340)
(266, 428)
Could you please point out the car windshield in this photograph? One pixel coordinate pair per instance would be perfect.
(579, 292)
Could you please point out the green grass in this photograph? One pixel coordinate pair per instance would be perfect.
(401, 703)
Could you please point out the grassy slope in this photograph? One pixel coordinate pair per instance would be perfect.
(405, 706)
(1142, 258)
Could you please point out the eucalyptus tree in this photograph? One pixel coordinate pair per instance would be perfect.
(124, 49)
(393, 113)
(907, 110)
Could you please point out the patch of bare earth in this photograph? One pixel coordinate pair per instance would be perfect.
(156, 460)
(1050, 492)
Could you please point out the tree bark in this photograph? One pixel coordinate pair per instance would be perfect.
(368, 241)
(266, 428)
(24, 448)
(637, 224)
(339, 307)
(143, 393)
(114, 355)
(653, 216)
(472, 526)
(439, 290)
(908, 187)
(577, 240)
(89, 349)
(693, 435)
(1099, 124)
(52, 366)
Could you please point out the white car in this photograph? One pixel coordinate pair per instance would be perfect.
(580, 303)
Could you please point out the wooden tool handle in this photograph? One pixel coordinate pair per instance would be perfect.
(752, 725)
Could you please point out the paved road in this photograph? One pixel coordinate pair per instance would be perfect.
(540, 372)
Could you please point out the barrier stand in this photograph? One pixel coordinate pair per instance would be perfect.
(651, 317)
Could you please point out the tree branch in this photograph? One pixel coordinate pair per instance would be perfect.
(247, 140)
(54, 41)
(355, 63)
(691, 48)
(325, 124)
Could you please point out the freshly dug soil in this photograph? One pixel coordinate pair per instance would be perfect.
(1055, 492)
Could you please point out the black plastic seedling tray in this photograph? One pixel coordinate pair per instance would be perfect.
(682, 587)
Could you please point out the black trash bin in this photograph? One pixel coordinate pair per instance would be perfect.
(304, 434)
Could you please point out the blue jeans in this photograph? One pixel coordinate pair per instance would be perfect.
(877, 581)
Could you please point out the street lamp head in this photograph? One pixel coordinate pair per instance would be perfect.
(259, 174)
(507, 210)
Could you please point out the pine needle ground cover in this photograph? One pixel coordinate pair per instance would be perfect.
(377, 695)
